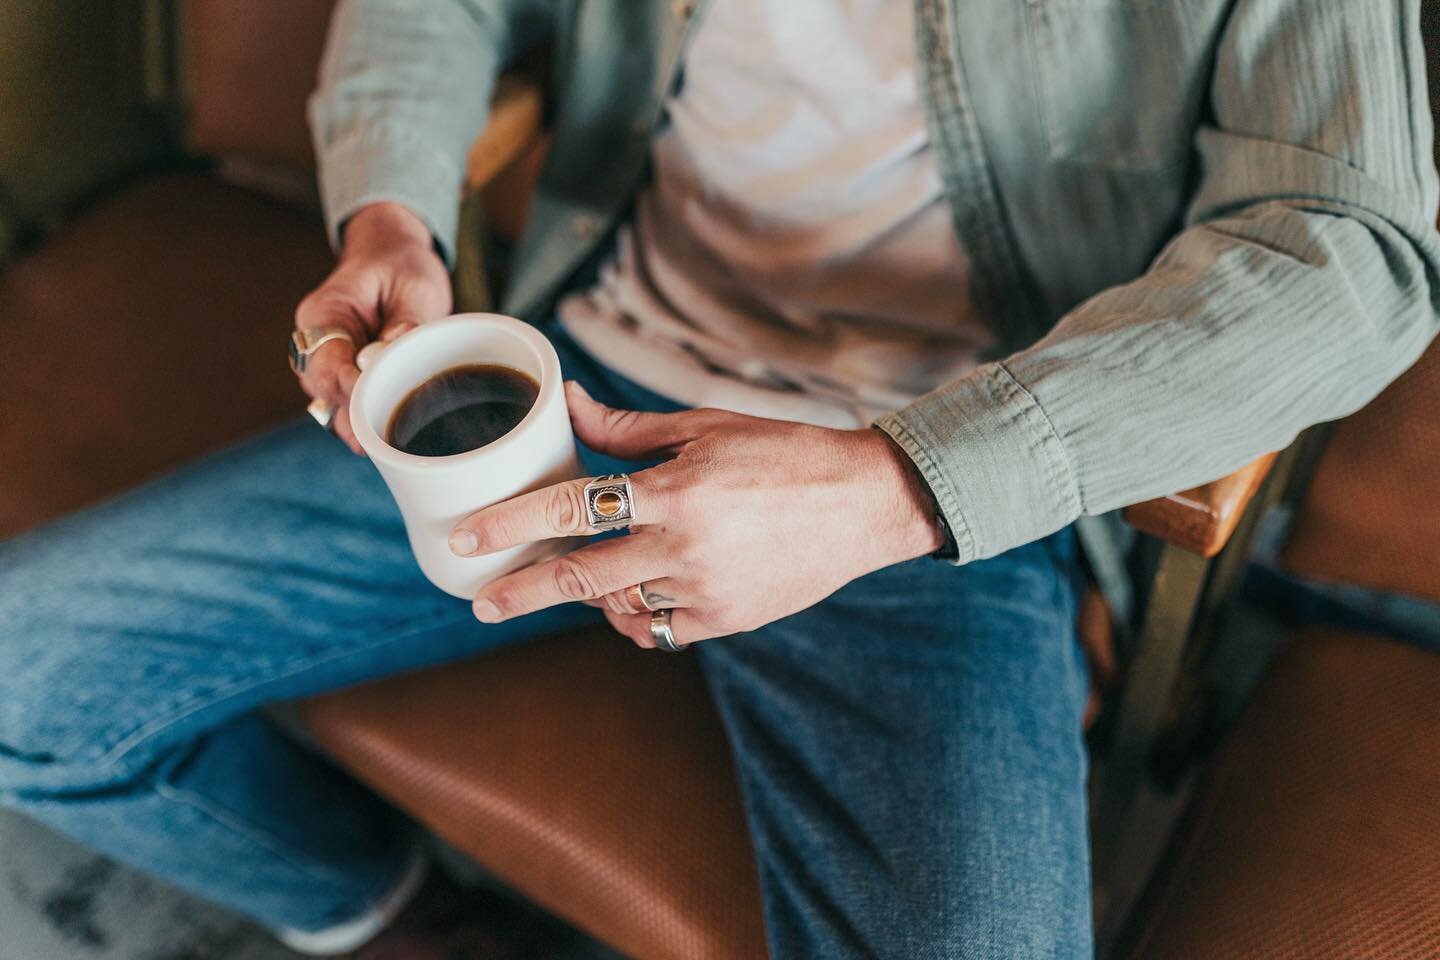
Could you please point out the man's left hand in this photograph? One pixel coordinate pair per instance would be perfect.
(746, 521)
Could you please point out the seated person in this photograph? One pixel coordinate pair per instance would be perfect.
(893, 295)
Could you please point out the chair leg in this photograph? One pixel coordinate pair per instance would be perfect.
(1175, 597)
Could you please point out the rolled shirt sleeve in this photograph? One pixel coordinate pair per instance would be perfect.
(1304, 282)
(404, 89)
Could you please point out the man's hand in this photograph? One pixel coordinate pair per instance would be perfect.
(750, 521)
(388, 280)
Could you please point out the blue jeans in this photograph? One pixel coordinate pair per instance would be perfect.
(909, 750)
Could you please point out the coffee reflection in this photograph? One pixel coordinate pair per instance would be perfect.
(461, 409)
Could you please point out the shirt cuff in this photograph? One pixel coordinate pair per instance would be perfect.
(992, 459)
(392, 163)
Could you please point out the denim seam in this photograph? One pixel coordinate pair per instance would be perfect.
(229, 821)
(278, 849)
(284, 669)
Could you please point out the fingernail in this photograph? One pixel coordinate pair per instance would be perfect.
(486, 612)
(463, 543)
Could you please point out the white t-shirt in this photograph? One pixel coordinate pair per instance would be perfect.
(794, 256)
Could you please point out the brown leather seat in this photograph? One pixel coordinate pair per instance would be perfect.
(154, 329)
(589, 774)
(1317, 833)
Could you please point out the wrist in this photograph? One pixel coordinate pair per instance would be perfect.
(384, 227)
(914, 528)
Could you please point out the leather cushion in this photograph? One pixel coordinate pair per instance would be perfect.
(590, 775)
(249, 68)
(1372, 514)
(150, 330)
(1317, 830)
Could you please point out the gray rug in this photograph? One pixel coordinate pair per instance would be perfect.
(61, 902)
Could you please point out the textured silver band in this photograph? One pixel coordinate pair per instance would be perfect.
(661, 633)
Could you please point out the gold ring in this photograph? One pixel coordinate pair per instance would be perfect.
(638, 600)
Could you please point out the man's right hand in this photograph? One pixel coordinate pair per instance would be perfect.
(389, 279)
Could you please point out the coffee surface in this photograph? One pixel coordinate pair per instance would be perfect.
(461, 409)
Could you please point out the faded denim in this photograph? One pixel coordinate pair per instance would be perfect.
(909, 750)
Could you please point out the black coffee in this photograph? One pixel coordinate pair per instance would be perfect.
(462, 409)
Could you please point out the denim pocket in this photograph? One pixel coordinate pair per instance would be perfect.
(1121, 83)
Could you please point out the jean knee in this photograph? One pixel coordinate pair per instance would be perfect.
(55, 735)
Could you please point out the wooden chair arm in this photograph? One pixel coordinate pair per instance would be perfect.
(1201, 520)
(516, 118)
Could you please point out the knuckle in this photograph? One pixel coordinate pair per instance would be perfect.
(681, 500)
(620, 420)
(490, 533)
(565, 510)
(314, 305)
(574, 579)
(701, 457)
(687, 556)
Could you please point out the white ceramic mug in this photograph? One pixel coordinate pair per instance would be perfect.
(434, 493)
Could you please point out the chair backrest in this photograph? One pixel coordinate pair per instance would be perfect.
(1372, 514)
(248, 67)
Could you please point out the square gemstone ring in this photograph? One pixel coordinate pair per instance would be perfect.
(608, 502)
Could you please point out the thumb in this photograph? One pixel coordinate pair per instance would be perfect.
(631, 434)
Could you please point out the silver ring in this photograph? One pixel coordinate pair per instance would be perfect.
(609, 502)
(661, 633)
(304, 344)
(323, 413)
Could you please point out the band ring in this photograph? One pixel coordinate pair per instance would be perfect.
(610, 502)
(305, 343)
(638, 599)
(661, 633)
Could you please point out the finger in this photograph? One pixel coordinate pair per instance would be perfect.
(554, 511)
(341, 425)
(585, 574)
(330, 371)
(662, 594)
(393, 330)
(631, 434)
(687, 626)
(343, 429)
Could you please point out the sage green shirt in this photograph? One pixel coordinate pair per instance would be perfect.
(1197, 226)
